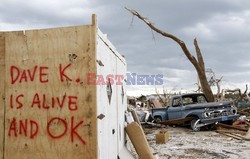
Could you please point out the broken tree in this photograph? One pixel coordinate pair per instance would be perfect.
(198, 62)
(214, 81)
(240, 96)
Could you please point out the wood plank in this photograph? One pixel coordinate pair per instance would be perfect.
(2, 92)
(231, 127)
(230, 135)
(231, 131)
(72, 49)
(135, 116)
(241, 136)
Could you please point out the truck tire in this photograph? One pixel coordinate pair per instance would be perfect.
(193, 124)
(158, 119)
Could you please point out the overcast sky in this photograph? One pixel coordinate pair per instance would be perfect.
(221, 26)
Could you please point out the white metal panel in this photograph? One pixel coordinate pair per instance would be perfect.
(107, 127)
(111, 135)
(103, 37)
(106, 140)
(125, 154)
(121, 104)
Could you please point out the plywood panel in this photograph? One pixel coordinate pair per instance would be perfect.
(2, 90)
(50, 109)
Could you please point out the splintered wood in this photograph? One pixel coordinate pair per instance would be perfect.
(50, 112)
(234, 131)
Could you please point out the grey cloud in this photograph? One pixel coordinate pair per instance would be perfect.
(222, 28)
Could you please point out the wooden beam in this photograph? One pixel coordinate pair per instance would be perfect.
(231, 127)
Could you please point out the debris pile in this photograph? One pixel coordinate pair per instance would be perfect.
(169, 135)
(184, 143)
(244, 111)
(239, 130)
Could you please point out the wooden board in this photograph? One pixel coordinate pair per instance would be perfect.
(45, 68)
(231, 127)
(2, 90)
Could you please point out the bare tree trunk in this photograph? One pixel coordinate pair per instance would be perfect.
(198, 64)
(217, 82)
(206, 89)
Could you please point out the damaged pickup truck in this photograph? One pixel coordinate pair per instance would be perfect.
(196, 107)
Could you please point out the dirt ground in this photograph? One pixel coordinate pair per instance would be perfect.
(184, 143)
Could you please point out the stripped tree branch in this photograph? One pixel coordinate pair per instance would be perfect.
(217, 82)
(199, 65)
(179, 41)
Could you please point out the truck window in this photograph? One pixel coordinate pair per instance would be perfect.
(177, 102)
(187, 100)
(201, 99)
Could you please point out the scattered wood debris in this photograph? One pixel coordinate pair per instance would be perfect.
(240, 130)
(231, 127)
(244, 111)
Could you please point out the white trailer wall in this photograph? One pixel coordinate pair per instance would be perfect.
(111, 136)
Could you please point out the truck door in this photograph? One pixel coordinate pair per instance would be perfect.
(175, 111)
